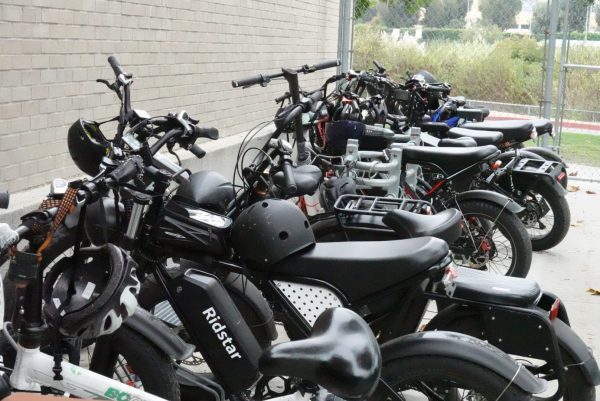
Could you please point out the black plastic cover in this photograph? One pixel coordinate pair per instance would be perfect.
(184, 225)
(218, 329)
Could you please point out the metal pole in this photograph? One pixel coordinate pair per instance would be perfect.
(562, 76)
(550, 54)
(346, 23)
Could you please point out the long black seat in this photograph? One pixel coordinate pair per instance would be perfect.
(480, 137)
(341, 355)
(444, 225)
(542, 126)
(513, 130)
(362, 268)
(451, 160)
(472, 114)
(307, 179)
(486, 287)
(457, 143)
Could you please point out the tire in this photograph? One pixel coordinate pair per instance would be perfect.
(561, 216)
(577, 387)
(444, 372)
(510, 227)
(154, 368)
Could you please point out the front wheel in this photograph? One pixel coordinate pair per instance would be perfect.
(130, 358)
(443, 378)
(492, 239)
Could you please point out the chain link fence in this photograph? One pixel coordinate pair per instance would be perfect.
(493, 52)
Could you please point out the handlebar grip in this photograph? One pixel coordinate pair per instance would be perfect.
(327, 64)
(288, 174)
(197, 151)
(207, 132)
(316, 96)
(8, 236)
(126, 171)
(4, 199)
(248, 81)
(116, 66)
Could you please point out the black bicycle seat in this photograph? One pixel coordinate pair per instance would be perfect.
(341, 354)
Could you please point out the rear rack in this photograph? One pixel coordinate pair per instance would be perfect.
(539, 166)
(349, 209)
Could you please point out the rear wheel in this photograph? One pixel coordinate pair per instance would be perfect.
(493, 239)
(577, 387)
(547, 218)
(441, 378)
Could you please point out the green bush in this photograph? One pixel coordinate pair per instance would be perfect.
(431, 34)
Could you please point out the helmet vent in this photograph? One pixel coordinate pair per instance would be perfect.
(265, 204)
(306, 225)
(283, 235)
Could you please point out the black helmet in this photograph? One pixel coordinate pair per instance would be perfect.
(87, 146)
(101, 221)
(427, 77)
(93, 297)
(269, 231)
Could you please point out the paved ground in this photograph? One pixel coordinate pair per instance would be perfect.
(573, 267)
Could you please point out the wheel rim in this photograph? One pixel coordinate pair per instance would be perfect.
(484, 245)
(538, 217)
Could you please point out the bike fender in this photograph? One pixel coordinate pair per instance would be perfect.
(466, 348)
(546, 153)
(159, 334)
(582, 356)
(533, 180)
(490, 196)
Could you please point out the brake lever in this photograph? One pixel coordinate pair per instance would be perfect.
(113, 87)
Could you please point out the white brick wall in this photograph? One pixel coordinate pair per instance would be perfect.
(183, 54)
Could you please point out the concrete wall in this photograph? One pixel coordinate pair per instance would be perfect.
(183, 54)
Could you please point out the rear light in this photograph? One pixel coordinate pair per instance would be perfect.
(561, 176)
(496, 165)
(554, 309)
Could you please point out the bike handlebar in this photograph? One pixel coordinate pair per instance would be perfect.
(288, 174)
(116, 66)
(197, 151)
(4, 199)
(264, 79)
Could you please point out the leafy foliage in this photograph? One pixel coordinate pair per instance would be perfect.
(446, 13)
(392, 13)
(501, 13)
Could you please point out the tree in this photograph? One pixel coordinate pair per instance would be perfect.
(501, 13)
(539, 22)
(396, 15)
(446, 13)
(577, 16)
(408, 6)
(597, 14)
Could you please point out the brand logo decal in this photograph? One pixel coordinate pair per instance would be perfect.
(220, 330)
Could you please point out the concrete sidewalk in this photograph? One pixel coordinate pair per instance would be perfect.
(573, 266)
